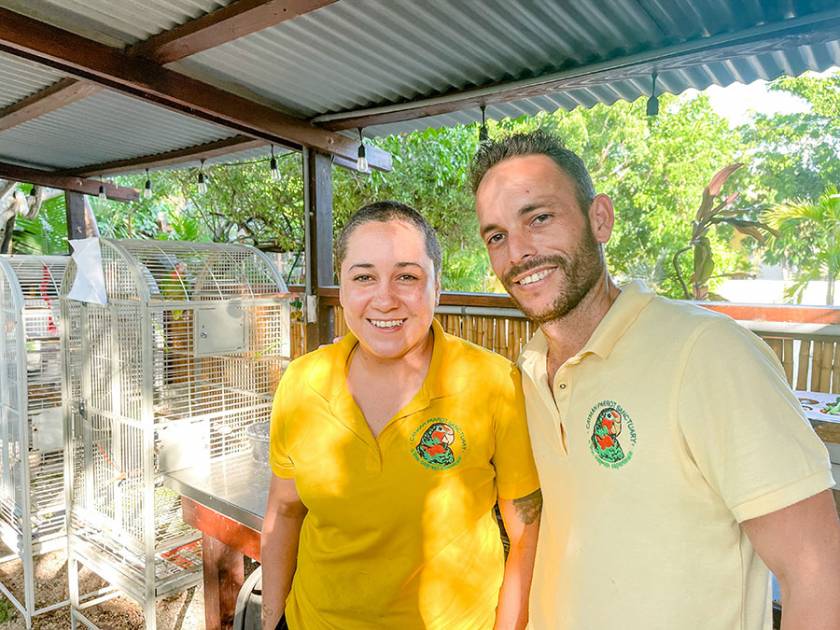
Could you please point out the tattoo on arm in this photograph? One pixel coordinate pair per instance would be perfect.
(528, 508)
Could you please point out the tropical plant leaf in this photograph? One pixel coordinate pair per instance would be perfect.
(719, 178)
(704, 262)
(755, 229)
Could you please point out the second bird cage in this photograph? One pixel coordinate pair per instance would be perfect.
(31, 435)
(184, 356)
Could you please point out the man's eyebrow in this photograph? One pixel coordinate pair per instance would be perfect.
(521, 212)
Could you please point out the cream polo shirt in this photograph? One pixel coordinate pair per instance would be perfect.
(671, 426)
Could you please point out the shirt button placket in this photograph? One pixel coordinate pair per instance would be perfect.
(562, 392)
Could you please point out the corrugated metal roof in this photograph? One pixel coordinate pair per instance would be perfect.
(20, 78)
(357, 54)
(102, 128)
(744, 70)
(364, 53)
(120, 22)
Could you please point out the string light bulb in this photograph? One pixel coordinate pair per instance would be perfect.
(275, 172)
(102, 194)
(147, 188)
(653, 101)
(483, 133)
(361, 162)
(202, 180)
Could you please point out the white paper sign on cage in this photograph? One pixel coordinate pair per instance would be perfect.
(89, 284)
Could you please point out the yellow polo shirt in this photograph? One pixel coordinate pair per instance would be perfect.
(400, 531)
(670, 426)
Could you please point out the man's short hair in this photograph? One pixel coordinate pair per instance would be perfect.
(383, 212)
(537, 142)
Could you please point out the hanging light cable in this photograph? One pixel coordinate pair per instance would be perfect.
(147, 188)
(275, 172)
(653, 101)
(483, 133)
(202, 179)
(102, 194)
(361, 162)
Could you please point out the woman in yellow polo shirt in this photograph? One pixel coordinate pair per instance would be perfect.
(389, 450)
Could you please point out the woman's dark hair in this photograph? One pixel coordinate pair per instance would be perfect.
(383, 212)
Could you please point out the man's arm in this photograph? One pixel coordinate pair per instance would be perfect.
(522, 523)
(801, 546)
(278, 547)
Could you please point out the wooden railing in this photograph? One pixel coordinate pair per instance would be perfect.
(806, 339)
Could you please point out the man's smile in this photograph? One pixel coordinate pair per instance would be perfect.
(534, 276)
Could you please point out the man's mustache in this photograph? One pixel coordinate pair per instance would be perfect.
(533, 263)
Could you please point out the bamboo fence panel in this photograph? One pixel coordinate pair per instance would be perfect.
(804, 356)
(809, 363)
(787, 358)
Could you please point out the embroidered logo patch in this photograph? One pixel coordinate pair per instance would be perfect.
(611, 425)
(440, 445)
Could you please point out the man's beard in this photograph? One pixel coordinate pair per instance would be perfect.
(582, 270)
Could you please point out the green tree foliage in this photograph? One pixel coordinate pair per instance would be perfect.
(714, 211)
(797, 156)
(46, 233)
(655, 170)
(809, 239)
(430, 174)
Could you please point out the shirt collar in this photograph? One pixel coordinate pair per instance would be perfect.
(329, 378)
(634, 297)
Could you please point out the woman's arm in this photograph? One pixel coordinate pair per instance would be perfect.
(522, 523)
(278, 547)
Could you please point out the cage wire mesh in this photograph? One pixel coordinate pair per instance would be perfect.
(170, 373)
(32, 513)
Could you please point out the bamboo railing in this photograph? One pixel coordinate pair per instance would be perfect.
(806, 339)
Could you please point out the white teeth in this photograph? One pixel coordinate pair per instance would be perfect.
(534, 277)
(390, 323)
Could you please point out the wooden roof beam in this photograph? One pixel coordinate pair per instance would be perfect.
(139, 77)
(50, 179)
(211, 150)
(219, 27)
(208, 31)
(56, 96)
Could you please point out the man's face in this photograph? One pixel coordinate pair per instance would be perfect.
(542, 245)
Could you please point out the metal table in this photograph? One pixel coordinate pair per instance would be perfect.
(826, 425)
(225, 500)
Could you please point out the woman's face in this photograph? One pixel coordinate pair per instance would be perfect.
(388, 288)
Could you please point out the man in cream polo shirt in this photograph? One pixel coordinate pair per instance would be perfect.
(675, 463)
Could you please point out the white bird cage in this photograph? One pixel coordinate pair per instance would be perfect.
(32, 513)
(183, 358)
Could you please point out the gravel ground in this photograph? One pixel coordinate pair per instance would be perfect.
(184, 611)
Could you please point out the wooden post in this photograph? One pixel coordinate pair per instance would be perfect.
(317, 178)
(80, 220)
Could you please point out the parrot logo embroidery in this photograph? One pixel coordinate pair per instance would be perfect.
(609, 422)
(437, 446)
